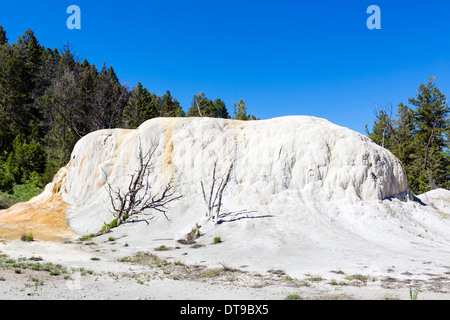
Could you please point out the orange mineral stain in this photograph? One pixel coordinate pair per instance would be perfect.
(43, 218)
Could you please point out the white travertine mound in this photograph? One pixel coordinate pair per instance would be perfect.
(304, 195)
(301, 158)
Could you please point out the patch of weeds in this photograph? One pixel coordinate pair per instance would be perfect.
(227, 268)
(37, 282)
(314, 278)
(35, 259)
(414, 294)
(217, 240)
(163, 248)
(144, 258)
(293, 297)
(358, 277)
(27, 238)
(277, 272)
(21, 264)
(87, 237)
(111, 239)
(211, 272)
(191, 236)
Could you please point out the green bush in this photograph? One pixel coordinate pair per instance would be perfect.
(27, 238)
(19, 193)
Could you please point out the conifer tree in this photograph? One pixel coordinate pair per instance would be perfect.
(431, 125)
(419, 137)
(240, 111)
(170, 107)
(204, 107)
(3, 38)
(141, 106)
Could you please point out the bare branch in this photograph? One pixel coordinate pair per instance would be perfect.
(215, 195)
(138, 196)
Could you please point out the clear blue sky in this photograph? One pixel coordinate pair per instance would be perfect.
(282, 57)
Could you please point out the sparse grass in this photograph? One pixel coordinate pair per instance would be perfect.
(87, 237)
(163, 248)
(191, 236)
(358, 277)
(144, 258)
(293, 297)
(211, 272)
(414, 294)
(20, 264)
(112, 224)
(27, 238)
(314, 277)
(217, 240)
(227, 268)
(333, 282)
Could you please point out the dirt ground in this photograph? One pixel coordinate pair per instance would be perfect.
(101, 268)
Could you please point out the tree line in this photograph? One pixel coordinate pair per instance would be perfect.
(419, 136)
(50, 98)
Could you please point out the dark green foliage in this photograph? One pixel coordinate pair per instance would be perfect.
(141, 106)
(27, 158)
(170, 107)
(240, 111)
(3, 38)
(204, 107)
(419, 137)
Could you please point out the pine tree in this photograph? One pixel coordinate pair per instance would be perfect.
(64, 100)
(383, 128)
(27, 157)
(16, 87)
(204, 107)
(141, 106)
(431, 125)
(240, 111)
(170, 107)
(218, 110)
(419, 137)
(3, 38)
